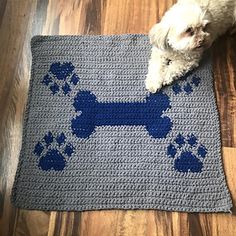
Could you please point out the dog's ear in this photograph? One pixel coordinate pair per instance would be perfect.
(158, 36)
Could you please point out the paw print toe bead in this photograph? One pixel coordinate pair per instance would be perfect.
(53, 151)
(184, 85)
(187, 153)
(61, 77)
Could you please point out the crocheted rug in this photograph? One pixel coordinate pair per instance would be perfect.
(94, 138)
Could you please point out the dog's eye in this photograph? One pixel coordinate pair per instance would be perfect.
(206, 25)
(190, 31)
(205, 28)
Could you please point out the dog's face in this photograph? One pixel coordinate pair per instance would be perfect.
(185, 27)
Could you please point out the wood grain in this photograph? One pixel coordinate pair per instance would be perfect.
(19, 21)
(224, 56)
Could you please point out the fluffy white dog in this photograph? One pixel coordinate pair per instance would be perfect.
(185, 31)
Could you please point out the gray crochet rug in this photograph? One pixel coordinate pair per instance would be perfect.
(94, 138)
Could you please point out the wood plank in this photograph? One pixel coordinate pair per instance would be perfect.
(31, 223)
(224, 224)
(14, 67)
(3, 4)
(224, 58)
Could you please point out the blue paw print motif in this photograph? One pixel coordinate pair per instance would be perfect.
(187, 153)
(188, 86)
(53, 151)
(61, 77)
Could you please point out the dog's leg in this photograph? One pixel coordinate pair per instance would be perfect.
(176, 69)
(153, 80)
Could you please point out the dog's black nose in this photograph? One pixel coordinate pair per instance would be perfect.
(168, 61)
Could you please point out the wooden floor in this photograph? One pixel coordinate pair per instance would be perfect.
(19, 21)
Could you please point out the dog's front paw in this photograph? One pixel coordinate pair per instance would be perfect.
(153, 85)
(168, 82)
(169, 77)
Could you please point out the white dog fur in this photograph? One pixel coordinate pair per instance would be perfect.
(185, 31)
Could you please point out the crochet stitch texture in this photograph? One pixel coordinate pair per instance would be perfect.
(94, 138)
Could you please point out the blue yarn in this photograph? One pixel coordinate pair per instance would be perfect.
(74, 79)
(61, 139)
(176, 88)
(187, 161)
(61, 70)
(54, 158)
(147, 113)
(66, 88)
(180, 140)
(38, 149)
(202, 151)
(196, 80)
(47, 80)
(65, 73)
(69, 149)
(54, 88)
(188, 88)
(171, 150)
(192, 140)
(48, 138)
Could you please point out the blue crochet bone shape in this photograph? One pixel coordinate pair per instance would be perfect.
(146, 113)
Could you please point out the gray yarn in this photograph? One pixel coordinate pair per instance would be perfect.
(117, 167)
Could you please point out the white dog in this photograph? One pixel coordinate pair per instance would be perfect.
(185, 31)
